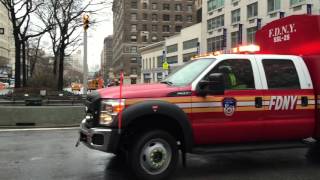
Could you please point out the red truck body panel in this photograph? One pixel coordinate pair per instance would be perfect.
(296, 35)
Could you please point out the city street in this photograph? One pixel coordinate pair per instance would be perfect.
(51, 154)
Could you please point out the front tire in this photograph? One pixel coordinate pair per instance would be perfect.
(154, 155)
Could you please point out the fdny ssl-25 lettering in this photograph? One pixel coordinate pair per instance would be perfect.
(214, 103)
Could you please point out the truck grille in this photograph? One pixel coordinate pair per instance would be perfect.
(93, 105)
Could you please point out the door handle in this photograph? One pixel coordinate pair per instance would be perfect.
(258, 102)
(304, 101)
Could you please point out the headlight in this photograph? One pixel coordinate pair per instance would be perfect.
(109, 109)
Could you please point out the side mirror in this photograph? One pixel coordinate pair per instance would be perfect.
(215, 85)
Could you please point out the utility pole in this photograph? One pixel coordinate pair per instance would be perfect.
(85, 54)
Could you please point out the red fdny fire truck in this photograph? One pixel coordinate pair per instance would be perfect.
(216, 103)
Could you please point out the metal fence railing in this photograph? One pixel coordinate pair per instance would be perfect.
(41, 101)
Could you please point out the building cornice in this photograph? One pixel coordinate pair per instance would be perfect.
(151, 46)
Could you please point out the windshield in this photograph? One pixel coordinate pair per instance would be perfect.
(187, 73)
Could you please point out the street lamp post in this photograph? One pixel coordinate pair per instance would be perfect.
(85, 54)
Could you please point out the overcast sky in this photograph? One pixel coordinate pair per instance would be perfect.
(96, 35)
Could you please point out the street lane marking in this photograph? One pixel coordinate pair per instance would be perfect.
(37, 129)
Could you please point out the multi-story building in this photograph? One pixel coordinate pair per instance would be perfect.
(176, 50)
(227, 24)
(198, 7)
(6, 45)
(138, 23)
(106, 58)
(74, 62)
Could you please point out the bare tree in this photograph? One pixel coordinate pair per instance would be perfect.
(19, 13)
(66, 19)
(34, 53)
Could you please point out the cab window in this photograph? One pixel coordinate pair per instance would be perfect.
(237, 73)
(281, 74)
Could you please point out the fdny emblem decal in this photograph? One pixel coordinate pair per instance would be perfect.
(283, 103)
(229, 106)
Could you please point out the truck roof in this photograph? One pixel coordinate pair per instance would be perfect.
(235, 56)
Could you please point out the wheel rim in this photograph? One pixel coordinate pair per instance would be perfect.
(155, 156)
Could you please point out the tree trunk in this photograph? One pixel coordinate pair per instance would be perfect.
(17, 82)
(24, 65)
(55, 62)
(61, 68)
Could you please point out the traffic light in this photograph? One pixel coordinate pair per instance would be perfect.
(85, 20)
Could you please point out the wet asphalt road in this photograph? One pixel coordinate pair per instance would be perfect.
(47, 155)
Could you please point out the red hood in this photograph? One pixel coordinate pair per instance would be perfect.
(140, 91)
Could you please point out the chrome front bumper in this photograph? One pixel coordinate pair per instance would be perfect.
(102, 139)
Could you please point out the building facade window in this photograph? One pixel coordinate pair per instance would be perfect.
(251, 35)
(154, 27)
(134, 49)
(215, 22)
(146, 78)
(178, 18)
(189, 8)
(166, 7)
(273, 5)
(252, 10)
(193, 43)
(133, 70)
(235, 16)
(134, 5)
(189, 18)
(187, 57)
(294, 2)
(154, 17)
(144, 27)
(177, 7)
(166, 17)
(172, 59)
(215, 43)
(172, 48)
(133, 60)
(154, 6)
(133, 28)
(133, 38)
(215, 4)
(166, 28)
(178, 28)
(133, 17)
(145, 16)
(234, 39)
(144, 5)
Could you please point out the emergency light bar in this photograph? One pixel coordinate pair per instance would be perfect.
(246, 49)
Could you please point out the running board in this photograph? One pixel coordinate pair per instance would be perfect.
(214, 149)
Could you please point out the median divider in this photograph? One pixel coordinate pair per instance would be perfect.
(41, 116)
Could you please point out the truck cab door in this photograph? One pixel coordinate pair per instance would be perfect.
(234, 115)
(289, 111)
